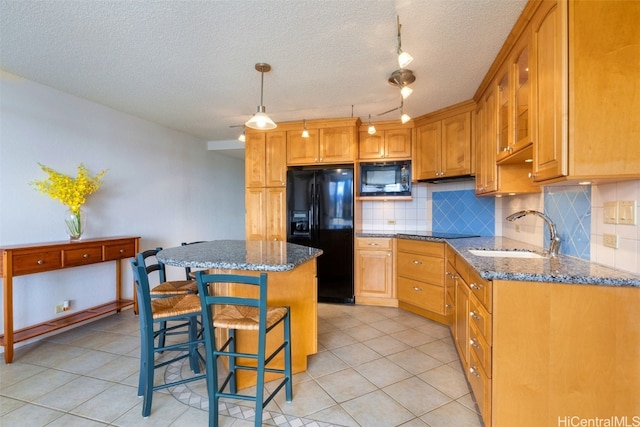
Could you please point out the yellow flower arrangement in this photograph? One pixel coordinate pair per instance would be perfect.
(71, 192)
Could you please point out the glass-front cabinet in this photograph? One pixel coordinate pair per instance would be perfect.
(514, 112)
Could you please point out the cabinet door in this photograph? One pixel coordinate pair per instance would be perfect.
(255, 205)
(550, 143)
(456, 145)
(275, 161)
(337, 145)
(489, 180)
(504, 109)
(522, 97)
(302, 151)
(397, 143)
(428, 145)
(254, 159)
(374, 274)
(371, 147)
(275, 228)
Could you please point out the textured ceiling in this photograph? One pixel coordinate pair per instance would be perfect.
(190, 65)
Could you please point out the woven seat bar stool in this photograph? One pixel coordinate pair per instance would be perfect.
(166, 288)
(240, 312)
(175, 315)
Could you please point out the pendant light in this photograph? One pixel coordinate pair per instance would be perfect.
(372, 129)
(305, 132)
(404, 117)
(260, 120)
(242, 137)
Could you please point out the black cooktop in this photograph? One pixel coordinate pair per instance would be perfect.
(439, 234)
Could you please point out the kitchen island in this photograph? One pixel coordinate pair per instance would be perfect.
(291, 271)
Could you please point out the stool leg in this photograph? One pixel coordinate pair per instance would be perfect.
(232, 361)
(193, 348)
(287, 357)
(149, 362)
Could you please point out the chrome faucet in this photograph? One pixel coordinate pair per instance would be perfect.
(553, 232)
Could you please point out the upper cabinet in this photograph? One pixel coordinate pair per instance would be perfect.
(442, 147)
(265, 155)
(329, 142)
(586, 82)
(389, 142)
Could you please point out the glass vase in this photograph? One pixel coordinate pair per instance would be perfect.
(75, 222)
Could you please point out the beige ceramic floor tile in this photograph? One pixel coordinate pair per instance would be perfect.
(452, 414)
(377, 409)
(345, 385)
(448, 380)
(416, 395)
(74, 393)
(382, 372)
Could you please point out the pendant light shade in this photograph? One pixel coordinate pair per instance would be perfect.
(372, 129)
(242, 137)
(261, 120)
(404, 58)
(305, 132)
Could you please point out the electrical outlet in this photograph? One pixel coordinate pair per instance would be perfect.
(59, 308)
(610, 240)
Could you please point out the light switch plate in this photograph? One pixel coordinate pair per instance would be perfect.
(627, 212)
(610, 215)
(610, 240)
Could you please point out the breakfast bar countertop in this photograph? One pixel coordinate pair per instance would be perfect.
(250, 255)
(563, 269)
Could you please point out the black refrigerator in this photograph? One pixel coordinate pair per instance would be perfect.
(320, 214)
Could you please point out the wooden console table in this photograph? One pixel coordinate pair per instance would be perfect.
(20, 260)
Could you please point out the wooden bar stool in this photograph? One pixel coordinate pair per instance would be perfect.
(233, 313)
(182, 311)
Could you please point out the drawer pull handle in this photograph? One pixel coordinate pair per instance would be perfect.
(473, 343)
(475, 316)
(121, 251)
(40, 262)
(85, 255)
(474, 287)
(473, 371)
(447, 306)
(415, 261)
(374, 244)
(415, 288)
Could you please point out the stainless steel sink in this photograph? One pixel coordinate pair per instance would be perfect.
(505, 253)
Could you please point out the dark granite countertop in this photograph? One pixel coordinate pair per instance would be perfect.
(563, 269)
(252, 255)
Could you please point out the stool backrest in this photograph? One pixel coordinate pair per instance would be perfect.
(143, 293)
(210, 299)
(143, 260)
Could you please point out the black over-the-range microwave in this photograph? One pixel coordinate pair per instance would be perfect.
(385, 178)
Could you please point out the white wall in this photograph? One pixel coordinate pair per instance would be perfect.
(162, 185)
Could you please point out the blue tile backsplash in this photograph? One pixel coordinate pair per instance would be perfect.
(570, 209)
(463, 212)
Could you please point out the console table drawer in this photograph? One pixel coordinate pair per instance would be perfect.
(119, 250)
(36, 262)
(82, 256)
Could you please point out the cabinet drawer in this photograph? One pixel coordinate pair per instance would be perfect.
(481, 288)
(481, 386)
(373, 243)
(434, 249)
(82, 256)
(481, 348)
(420, 294)
(421, 267)
(480, 318)
(36, 262)
(119, 250)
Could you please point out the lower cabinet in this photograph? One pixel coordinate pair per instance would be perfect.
(374, 278)
(420, 278)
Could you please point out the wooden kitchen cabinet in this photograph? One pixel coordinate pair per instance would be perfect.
(585, 81)
(374, 278)
(265, 159)
(329, 142)
(443, 143)
(486, 134)
(388, 143)
(265, 217)
(420, 278)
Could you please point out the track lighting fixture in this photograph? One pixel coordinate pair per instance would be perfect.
(305, 132)
(260, 120)
(404, 117)
(372, 129)
(404, 58)
(242, 137)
